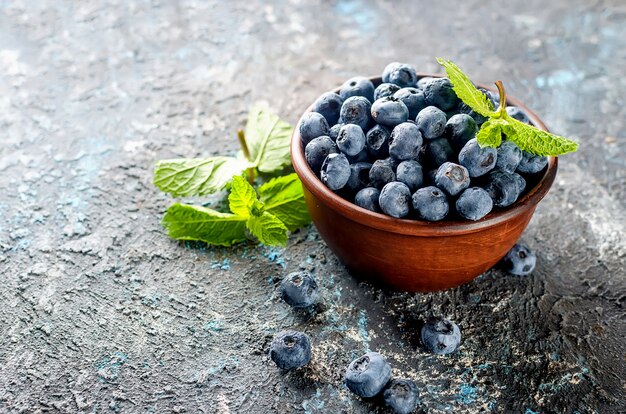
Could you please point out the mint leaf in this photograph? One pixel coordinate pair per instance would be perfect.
(283, 197)
(268, 229)
(465, 89)
(536, 141)
(242, 197)
(185, 177)
(268, 140)
(490, 134)
(185, 222)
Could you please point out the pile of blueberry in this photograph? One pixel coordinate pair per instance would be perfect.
(407, 148)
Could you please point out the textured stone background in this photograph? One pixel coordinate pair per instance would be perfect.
(101, 312)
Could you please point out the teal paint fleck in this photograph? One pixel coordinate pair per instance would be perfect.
(214, 326)
(223, 265)
(362, 324)
(108, 368)
(274, 254)
(466, 394)
(529, 411)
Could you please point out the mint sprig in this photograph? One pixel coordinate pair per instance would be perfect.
(499, 124)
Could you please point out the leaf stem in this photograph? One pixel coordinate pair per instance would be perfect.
(502, 92)
(246, 153)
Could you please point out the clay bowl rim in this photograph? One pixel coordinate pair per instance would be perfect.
(419, 227)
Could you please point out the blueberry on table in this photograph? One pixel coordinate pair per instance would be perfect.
(312, 125)
(359, 176)
(401, 396)
(520, 260)
(504, 188)
(388, 69)
(438, 92)
(410, 173)
(431, 121)
(329, 105)
(367, 375)
(441, 336)
(531, 164)
(377, 141)
(403, 75)
(335, 171)
(351, 139)
(299, 289)
(290, 349)
(317, 150)
(459, 129)
(389, 111)
(509, 157)
(517, 113)
(478, 161)
(334, 131)
(430, 203)
(395, 199)
(437, 152)
(405, 142)
(384, 90)
(382, 172)
(452, 178)
(474, 203)
(413, 98)
(356, 110)
(357, 86)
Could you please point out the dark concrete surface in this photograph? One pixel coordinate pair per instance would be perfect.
(101, 312)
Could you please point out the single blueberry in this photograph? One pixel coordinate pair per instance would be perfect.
(290, 349)
(438, 92)
(521, 183)
(385, 89)
(520, 260)
(441, 336)
(389, 111)
(422, 82)
(413, 98)
(312, 125)
(452, 178)
(503, 188)
(474, 203)
(430, 203)
(517, 113)
(478, 161)
(335, 171)
(431, 121)
(299, 289)
(357, 86)
(509, 157)
(329, 105)
(395, 199)
(334, 131)
(403, 75)
(401, 395)
(405, 142)
(356, 110)
(368, 198)
(382, 172)
(388, 69)
(359, 176)
(410, 173)
(377, 141)
(317, 150)
(367, 375)
(351, 139)
(531, 164)
(437, 152)
(459, 129)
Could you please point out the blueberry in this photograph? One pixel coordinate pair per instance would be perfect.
(388, 69)
(334, 131)
(441, 336)
(299, 289)
(405, 142)
(362, 156)
(385, 89)
(452, 178)
(413, 98)
(317, 150)
(431, 121)
(437, 152)
(520, 260)
(403, 75)
(503, 188)
(517, 113)
(389, 111)
(335, 171)
(359, 176)
(478, 118)
(459, 129)
(290, 349)
(422, 82)
(351, 139)
(356, 110)
(368, 198)
(382, 172)
(357, 86)
(312, 125)
(395, 199)
(521, 183)
(509, 157)
(430, 203)
(329, 105)
(366, 376)
(438, 92)
(474, 203)
(410, 173)
(377, 141)
(531, 164)
(401, 395)
(478, 161)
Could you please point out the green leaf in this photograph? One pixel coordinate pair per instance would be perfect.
(490, 133)
(184, 177)
(465, 89)
(536, 141)
(242, 197)
(268, 229)
(268, 140)
(185, 222)
(283, 197)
